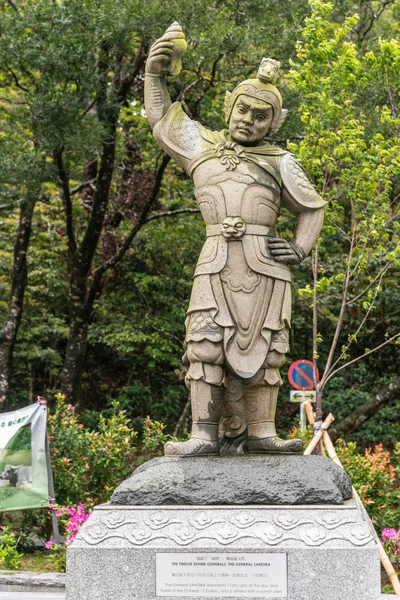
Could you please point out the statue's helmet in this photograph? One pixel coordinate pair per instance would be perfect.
(262, 90)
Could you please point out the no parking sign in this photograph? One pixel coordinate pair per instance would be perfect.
(301, 374)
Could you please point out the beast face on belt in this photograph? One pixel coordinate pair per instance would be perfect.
(233, 228)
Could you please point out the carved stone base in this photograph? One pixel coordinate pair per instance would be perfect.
(331, 550)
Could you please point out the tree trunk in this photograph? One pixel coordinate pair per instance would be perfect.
(74, 360)
(367, 410)
(83, 296)
(8, 333)
(80, 259)
(80, 265)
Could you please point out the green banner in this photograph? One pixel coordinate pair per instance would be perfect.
(23, 469)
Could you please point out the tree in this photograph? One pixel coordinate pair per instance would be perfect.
(21, 162)
(366, 411)
(351, 146)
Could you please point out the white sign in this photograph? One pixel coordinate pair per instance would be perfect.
(302, 396)
(23, 469)
(226, 575)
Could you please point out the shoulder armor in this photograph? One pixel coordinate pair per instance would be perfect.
(178, 133)
(300, 193)
(183, 131)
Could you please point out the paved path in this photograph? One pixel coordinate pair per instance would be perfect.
(50, 596)
(31, 596)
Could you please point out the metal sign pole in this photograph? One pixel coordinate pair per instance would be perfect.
(301, 397)
(303, 424)
(56, 531)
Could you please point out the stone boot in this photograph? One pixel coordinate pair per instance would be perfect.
(207, 400)
(262, 437)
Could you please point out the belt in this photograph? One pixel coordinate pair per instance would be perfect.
(248, 229)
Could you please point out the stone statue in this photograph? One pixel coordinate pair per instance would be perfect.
(237, 325)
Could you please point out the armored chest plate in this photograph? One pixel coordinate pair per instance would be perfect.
(248, 192)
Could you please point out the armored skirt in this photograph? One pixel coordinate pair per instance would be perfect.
(240, 315)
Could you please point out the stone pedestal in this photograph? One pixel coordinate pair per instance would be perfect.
(329, 551)
(235, 480)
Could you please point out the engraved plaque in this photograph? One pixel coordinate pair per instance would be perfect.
(222, 575)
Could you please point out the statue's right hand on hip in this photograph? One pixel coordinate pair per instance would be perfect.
(285, 252)
(166, 53)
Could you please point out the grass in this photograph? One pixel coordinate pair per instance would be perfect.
(39, 561)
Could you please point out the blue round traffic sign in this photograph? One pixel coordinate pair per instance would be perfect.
(301, 375)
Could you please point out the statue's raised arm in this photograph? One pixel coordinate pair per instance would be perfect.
(164, 58)
(176, 133)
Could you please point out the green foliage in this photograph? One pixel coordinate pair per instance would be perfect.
(57, 557)
(306, 436)
(10, 558)
(153, 439)
(90, 461)
(352, 164)
(351, 150)
(87, 465)
(374, 478)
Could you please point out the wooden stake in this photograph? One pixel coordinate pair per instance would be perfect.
(318, 436)
(385, 560)
(309, 412)
(330, 448)
(311, 419)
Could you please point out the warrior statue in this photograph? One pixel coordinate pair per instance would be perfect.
(238, 321)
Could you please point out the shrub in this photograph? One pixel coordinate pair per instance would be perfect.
(391, 543)
(373, 477)
(153, 440)
(58, 556)
(87, 465)
(72, 520)
(10, 558)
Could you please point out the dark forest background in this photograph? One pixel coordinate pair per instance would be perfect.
(99, 232)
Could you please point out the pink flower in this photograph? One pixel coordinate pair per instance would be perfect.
(77, 517)
(49, 544)
(390, 535)
(69, 539)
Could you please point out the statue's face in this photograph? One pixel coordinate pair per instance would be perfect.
(250, 120)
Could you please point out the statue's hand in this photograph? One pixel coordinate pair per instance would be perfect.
(159, 59)
(166, 54)
(285, 252)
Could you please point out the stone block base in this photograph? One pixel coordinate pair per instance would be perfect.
(330, 552)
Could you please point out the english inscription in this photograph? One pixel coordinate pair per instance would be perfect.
(223, 575)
